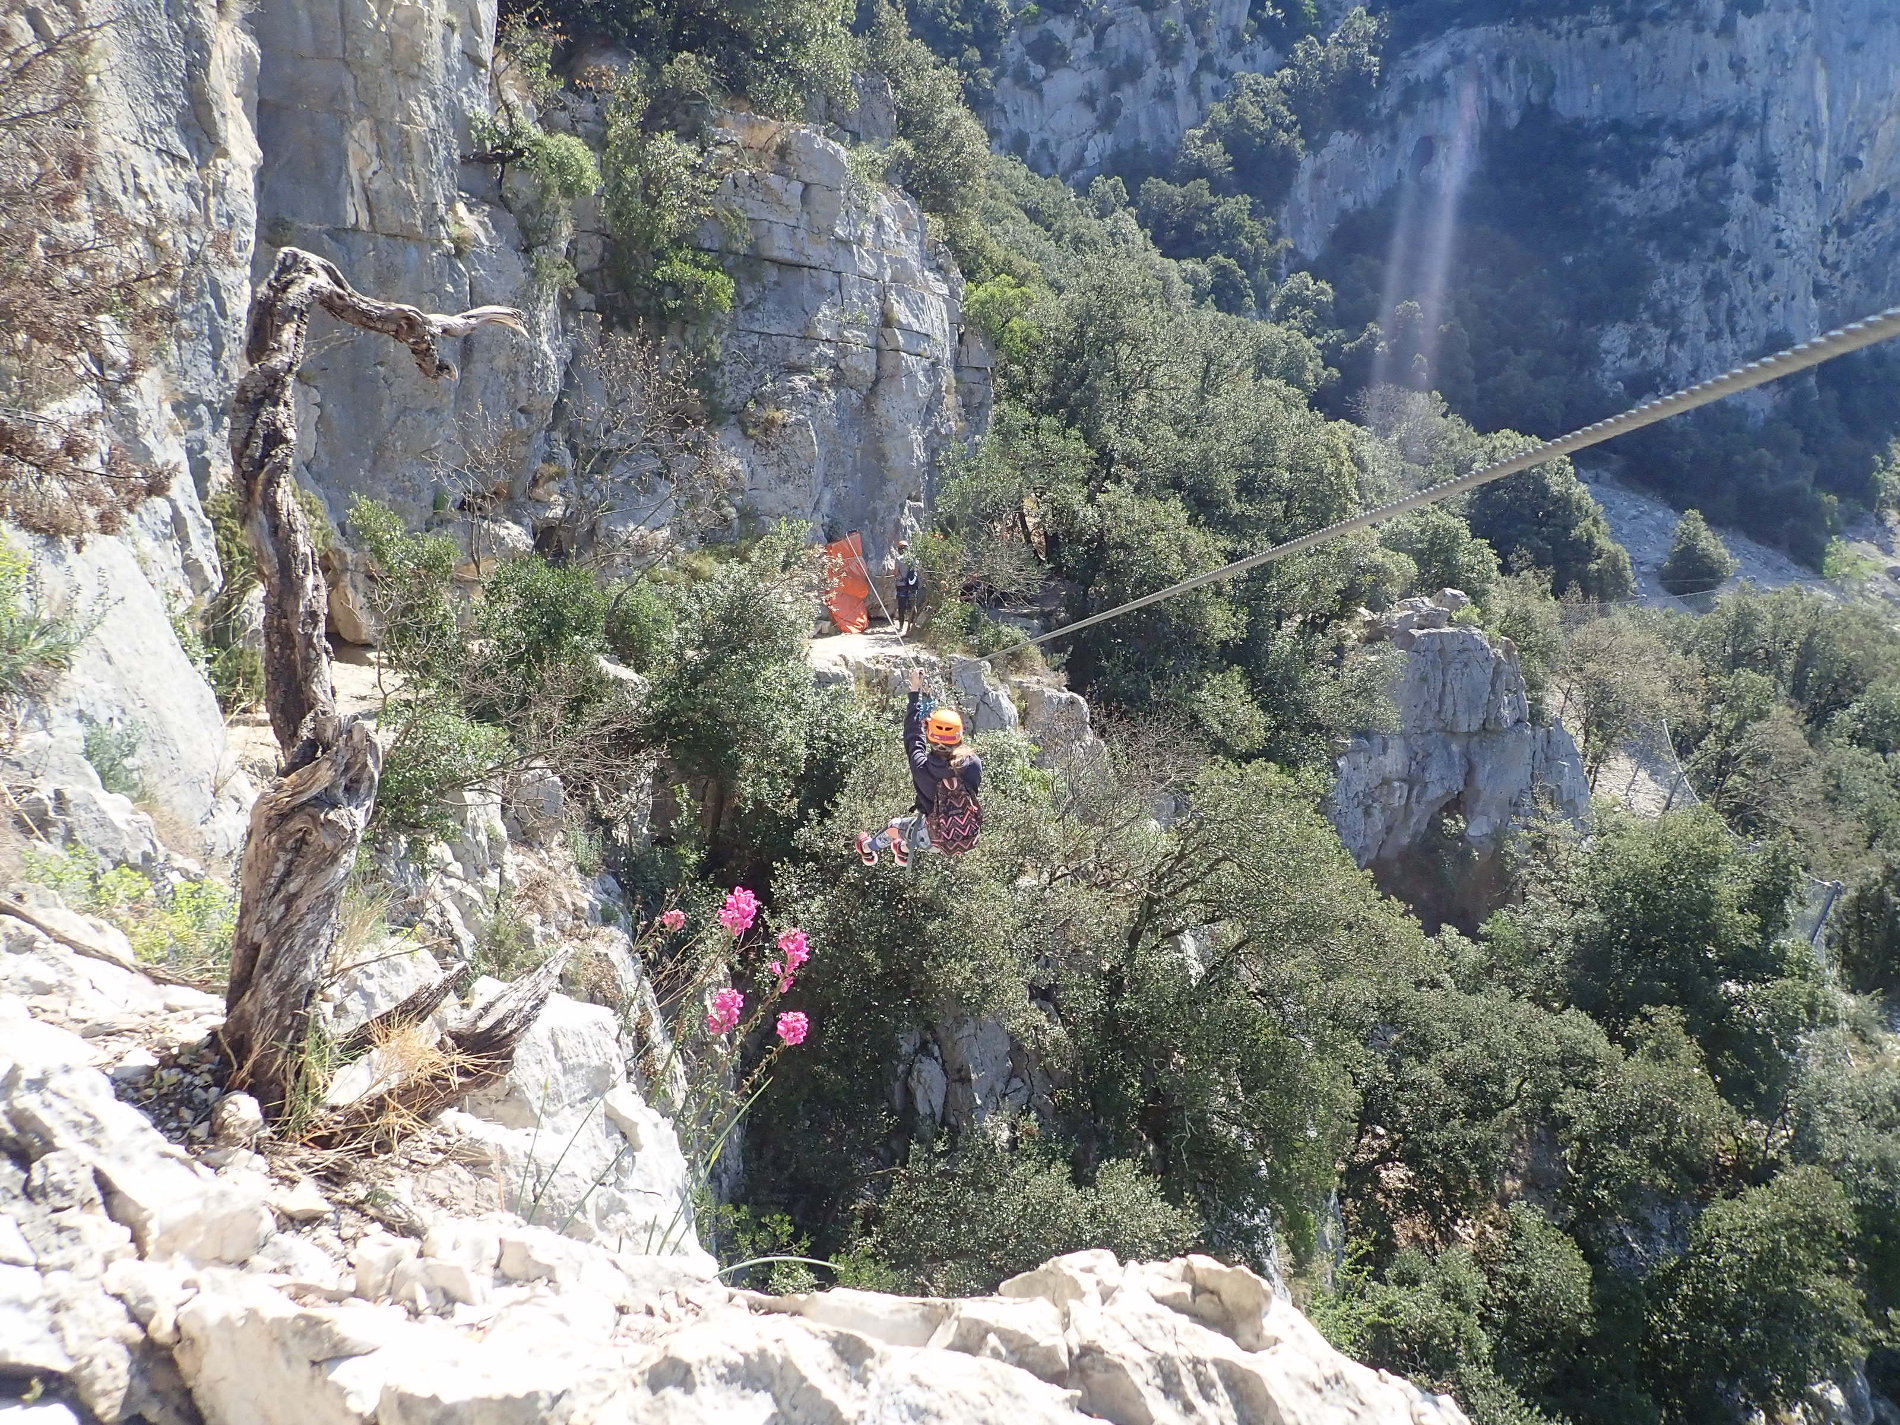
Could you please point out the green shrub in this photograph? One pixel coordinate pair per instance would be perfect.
(563, 163)
(657, 193)
(941, 153)
(35, 644)
(412, 593)
(113, 753)
(785, 57)
(1864, 932)
(1761, 1305)
(1698, 560)
(1546, 517)
(1445, 553)
(185, 926)
(957, 1223)
(434, 753)
(639, 625)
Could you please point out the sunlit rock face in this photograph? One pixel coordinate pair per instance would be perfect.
(1464, 767)
(1767, 144)
(1079, 93)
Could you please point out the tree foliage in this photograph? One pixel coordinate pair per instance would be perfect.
(1698, 561)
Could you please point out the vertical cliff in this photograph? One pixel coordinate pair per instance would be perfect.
(363, 117)
(175, 156)
(1748, 153)
(1119, 81)
(845, 359)
(843, 374)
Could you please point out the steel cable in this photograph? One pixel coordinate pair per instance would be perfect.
(1808, 354)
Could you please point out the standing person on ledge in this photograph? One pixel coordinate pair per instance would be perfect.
(906, 580)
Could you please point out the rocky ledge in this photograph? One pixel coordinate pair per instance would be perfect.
(191, 1275)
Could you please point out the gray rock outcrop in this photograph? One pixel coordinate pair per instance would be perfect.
(1076, 91)
(363, 116)
(1465, 745)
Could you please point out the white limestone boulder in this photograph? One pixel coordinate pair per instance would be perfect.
(52, 1099)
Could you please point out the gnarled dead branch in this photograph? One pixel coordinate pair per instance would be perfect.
(306, 830)
(475, 1054)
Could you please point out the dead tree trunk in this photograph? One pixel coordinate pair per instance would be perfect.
(304, 831)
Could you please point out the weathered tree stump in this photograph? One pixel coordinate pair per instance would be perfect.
(305, 831)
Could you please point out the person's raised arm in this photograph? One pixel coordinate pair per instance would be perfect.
(914, 743)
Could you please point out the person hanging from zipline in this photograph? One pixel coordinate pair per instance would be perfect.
(947, 816)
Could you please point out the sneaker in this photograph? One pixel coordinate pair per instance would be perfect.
(865, 853)
(900, 849)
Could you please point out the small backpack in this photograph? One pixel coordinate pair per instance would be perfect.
(958, 819)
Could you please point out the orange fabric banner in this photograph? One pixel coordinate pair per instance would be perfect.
(850, 585)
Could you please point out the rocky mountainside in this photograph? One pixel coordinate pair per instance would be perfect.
(1760, 134)
(1075, 92)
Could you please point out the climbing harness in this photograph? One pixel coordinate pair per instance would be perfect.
(1809, 354)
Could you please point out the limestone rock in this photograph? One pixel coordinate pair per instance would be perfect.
(960, 1072)
(363, 113)
(846, 353)
(1075, 91)
(1057, 721)
(985, 701)
(1465, 744)
(130, 674)
(53, 1101)
(118, 1009)
(572, 1145)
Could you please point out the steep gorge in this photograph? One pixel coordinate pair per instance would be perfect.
(847, 380)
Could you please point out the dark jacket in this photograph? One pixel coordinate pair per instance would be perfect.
(928, 771)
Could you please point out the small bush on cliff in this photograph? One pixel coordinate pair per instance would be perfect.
(658, 193)
(941, 153)
(957, 1223)
(783, 56)
(1698, 560)
(82, 294)
(36, 642)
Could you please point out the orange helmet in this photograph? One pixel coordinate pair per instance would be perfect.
(944, 727)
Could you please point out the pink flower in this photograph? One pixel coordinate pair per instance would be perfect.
(793, 1027)
(741, 908)
(673, 920)
(723, 1017)
(797, 950)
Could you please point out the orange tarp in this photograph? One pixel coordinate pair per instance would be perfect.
(850, 585)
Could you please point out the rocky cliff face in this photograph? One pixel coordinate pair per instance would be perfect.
(1465, 747)
(363, 115)
(1763, 134)
(1076, 92)
(845, 357)
(177, 157)
(844, 364)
